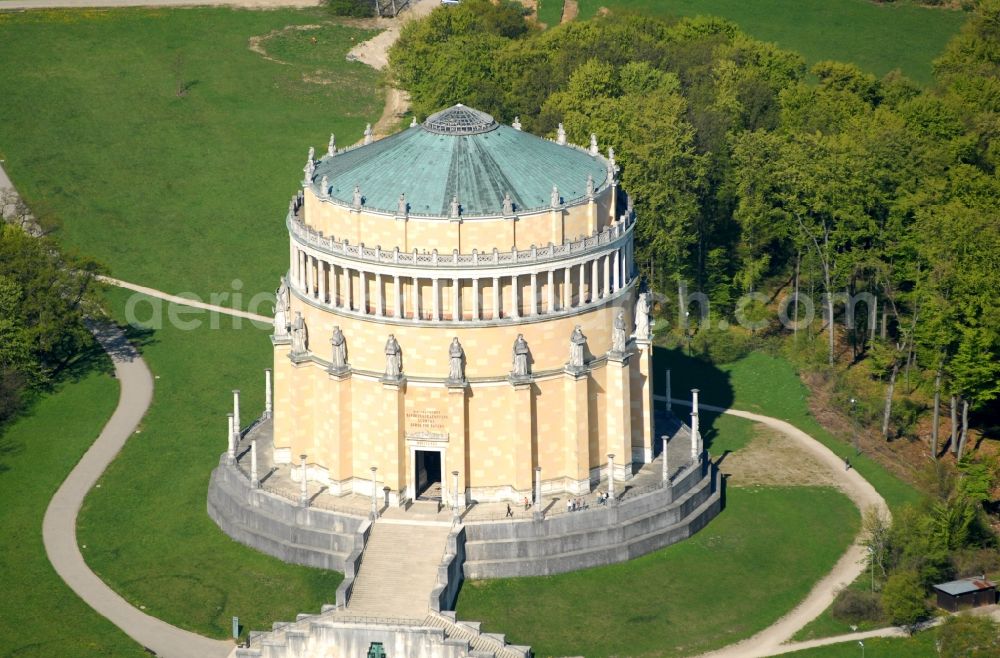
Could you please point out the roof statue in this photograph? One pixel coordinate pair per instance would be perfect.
(590, 186)
(456, 356)
(310, 167)
(561, 135)
(324, 188)
(331, 147)
(456, 209)
(393, 358)
(282, 303)
(517, 123)
(508, 205)
(619, 334)
(577, 344)
(413, 122)
(593, 145)
(519, 356)
(555, 200)
(356, 202)
(338, 343)
(612, 165)
(401, 207)
(369, 134)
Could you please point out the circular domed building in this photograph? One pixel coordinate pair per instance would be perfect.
(461, 297)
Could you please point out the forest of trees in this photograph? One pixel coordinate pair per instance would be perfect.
(752, 173)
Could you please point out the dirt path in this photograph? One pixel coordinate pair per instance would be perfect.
(570, 11)
(59, 524)
(851, 564)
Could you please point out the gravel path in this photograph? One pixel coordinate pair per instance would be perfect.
(183, 301)
(59, 525)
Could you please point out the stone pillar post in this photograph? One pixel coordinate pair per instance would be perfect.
(583, 277)
(301, 268)
(362, 292)
(695, 451)
(515, 306)
(534, 294)
(397, 302)
(496, 298)
(374, 512)
(456, 515)
(231, 440)
(379, 299)
(237, 427)
(594, 281)
(666, 467)
(456, 300)
(617, 280)
(415, 283)
(538, 490)
(568, 288)
(268, 395)
(607, 275)
(435, 283)
(310, 276)
(322, 281)
(670, 404)
(348, 290)
(475, 298)
(303, 483)
(254, 480)
(611, 477)
(293, 264)
(551, 293)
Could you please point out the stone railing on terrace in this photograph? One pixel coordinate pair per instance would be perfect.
(580, 247)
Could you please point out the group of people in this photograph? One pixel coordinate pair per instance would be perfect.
(575, 504)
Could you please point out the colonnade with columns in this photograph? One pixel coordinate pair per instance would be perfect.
(460, 294)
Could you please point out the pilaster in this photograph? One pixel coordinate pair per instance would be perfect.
(390, 424)
(643, 438)
(576, 432)
(458, 437)
(524, 431)
(619, 410)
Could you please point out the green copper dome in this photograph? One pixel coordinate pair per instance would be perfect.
(465, 153)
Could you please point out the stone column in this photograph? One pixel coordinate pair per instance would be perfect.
(594, 285)
(303, 483)
(362, 292)
(435, 283)
(534, 294)
(311, 275)
(348, 290)
(456, 300)
(475, 298)
(322, 281)
(231, 440)
(379, 300)
(496, 298)
(515, 306)
(666, 468)
(607, 275)
(456, 516)
(236, 413)
(293, 264)
(254, 480)
(568, 288)
(374, 513)
(576, 425)
(397, 303)
(415, 282)
(301, 269)
(611, 477)
(695, 451)
(268, 395)
(583, 277)
(670, 404)
(617, 279)
(551, 293)
(457, 437)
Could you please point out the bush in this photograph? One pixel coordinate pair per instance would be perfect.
(856, 606)
(720, 346)
(903, 599)
(355, 8)
(969, 637)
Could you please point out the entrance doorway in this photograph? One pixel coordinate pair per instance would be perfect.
(428, 474)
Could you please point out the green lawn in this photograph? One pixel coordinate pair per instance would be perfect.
(550, 12)
(876, 37)
(39, 615)
(146, 529)
(748, 567)
(826, 625)
(769, 385)
(182, 193)
(920, 645)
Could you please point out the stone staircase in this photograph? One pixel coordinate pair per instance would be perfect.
(487, 645)
(398, 570)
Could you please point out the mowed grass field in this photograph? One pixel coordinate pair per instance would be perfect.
(738, 575)
(878, 37)
(550, 12)
(163, 146)
(40, 616)
(921, 645)
(146, 528)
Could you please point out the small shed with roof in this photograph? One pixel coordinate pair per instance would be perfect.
(966, 593)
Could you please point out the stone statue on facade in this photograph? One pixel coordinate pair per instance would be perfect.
(593, 144)
(577, 346)
(619, 335)
(561, 135)
(331, 148)
(393, 359)
(356, 201)
(401, 207)
(590, 186)
(520, 366)
(456, 358)
(281, 309)
(555, 200)
(508, 205)
(455, 207)
(300, 340)
(642, 317)
(324, 187)
(369, 134)
(338, 342)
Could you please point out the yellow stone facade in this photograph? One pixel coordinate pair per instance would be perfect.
(483, 280)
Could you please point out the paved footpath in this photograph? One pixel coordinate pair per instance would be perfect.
(769, 641)
(59, 525)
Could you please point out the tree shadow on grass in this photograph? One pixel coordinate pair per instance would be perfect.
(686, 373)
